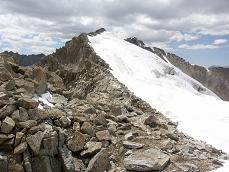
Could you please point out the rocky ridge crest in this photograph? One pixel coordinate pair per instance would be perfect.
(96, 123)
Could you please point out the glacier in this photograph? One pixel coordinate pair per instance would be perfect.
(200, 113)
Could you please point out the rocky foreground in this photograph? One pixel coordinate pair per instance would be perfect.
(96, 123)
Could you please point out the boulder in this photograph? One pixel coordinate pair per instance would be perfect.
(152, 121)
(7, 110)
(4, 137)
(28, 103)
(103, 135)
(9, 85)
(20, 148)
(34, 141)
(91, 149)
(23, 114)
(18, 138)
(50, 144)
(27, 124)
(7, 125)
(40, 78)
(100, 162)
(100, 120)
(27, 85)
(69, 163)
(87, 128)
(76, 142)
(65, 121)
(148, 160)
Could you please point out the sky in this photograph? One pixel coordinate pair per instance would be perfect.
(197, 31)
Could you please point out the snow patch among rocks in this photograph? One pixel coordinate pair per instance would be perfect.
(43, 99)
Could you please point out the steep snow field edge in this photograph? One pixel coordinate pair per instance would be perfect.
(200, 112)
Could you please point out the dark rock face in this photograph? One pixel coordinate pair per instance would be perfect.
(218, 81)
(24, 60)
(216, 78)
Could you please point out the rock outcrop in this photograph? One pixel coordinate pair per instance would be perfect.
(96, 124)
(214, 78)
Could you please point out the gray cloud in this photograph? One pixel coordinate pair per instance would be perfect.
(160, 21)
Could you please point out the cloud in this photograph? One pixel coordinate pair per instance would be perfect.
(197, 46)
(220, 41)
(154, 21)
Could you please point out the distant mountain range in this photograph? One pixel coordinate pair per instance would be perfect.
(24, 60)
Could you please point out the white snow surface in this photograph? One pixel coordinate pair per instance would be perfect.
(44, 100)
(202, 115)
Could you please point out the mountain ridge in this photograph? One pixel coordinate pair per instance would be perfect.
(214, 78)
(91, 118)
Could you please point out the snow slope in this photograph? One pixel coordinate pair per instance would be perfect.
(200, 114)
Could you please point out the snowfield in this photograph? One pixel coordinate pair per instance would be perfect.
(200, 113)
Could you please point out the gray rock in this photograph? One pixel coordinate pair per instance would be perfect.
(7, 110)
(34, 141)
(27, 124)
(27, 103)
(172, 136)
(91, 149)
(20, 148)
(100, 162)
(87, 128)
(10, 85)
(100, 120)
(132, 145)
(23, 114)
(50, 145)
(7, 125)
(69, 163)
(4, 137)
(45, 164)
(16, 116)
(3, 96)
(76, 142)
(90, 110)
(65, 121)
(61, 136)
(152, 121)
(80, 119)
(3, 163)
(103, 135)
(123, 118)
(148, 160)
